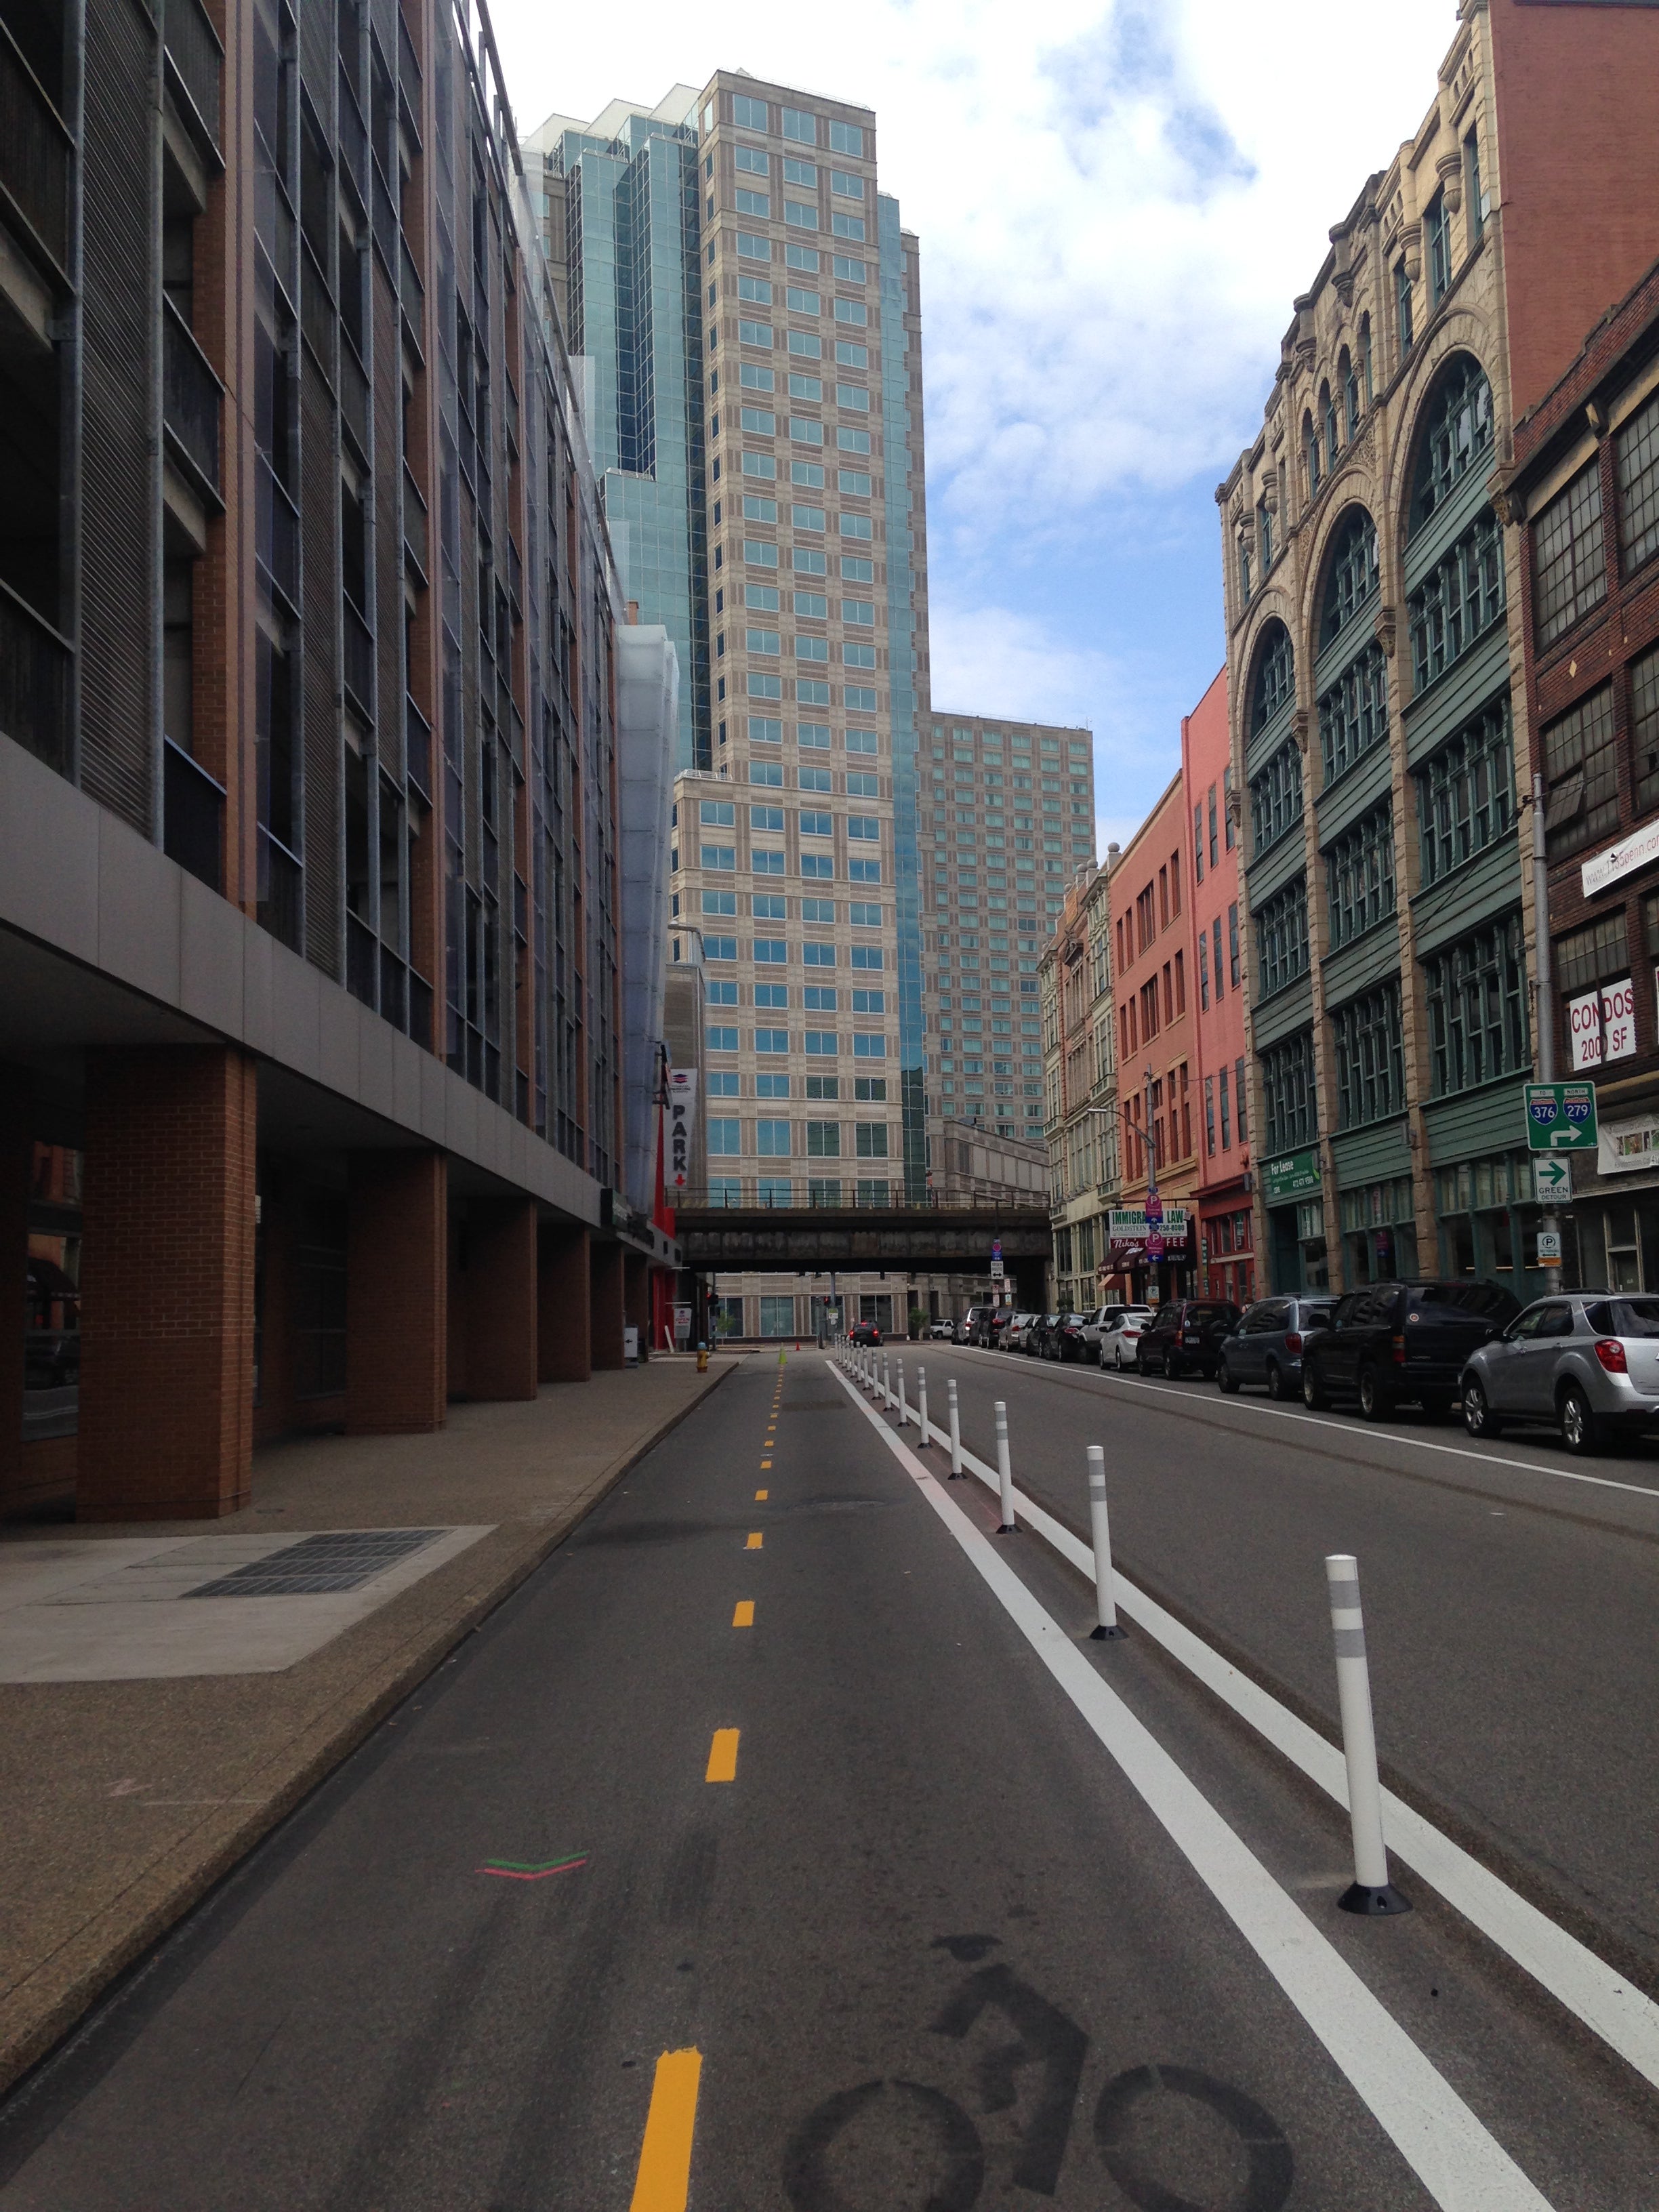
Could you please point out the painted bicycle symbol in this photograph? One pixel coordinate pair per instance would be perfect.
(896, 2145)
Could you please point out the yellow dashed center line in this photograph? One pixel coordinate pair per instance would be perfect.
(766, 1467)
(664, 2181)
(761, 1497)
(754, 1543)
(744, 1617)
(723, 1757)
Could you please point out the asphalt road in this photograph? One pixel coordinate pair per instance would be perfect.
(1511, 1607)
(936, 1942)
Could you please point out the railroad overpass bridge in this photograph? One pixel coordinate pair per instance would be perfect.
(936, 1235)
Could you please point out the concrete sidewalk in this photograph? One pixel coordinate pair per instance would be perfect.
(122, 1799)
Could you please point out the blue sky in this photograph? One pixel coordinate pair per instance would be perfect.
(1115, 211)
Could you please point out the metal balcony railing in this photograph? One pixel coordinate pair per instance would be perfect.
(277, 534)
(190, 399)
(417, 754)
(360, 661)
(35, 682)
(36, 151)
(415, 521)
(195, 59)
(193, 815)
(281, 892)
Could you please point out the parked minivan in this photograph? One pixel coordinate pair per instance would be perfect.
(1266, 1346)
(1395, 1340)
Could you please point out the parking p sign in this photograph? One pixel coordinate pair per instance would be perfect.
(1561, 1117)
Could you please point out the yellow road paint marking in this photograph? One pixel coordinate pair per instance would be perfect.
(744, 1617)
(723, 1757)
(754, 1543)
(761, 1497)
(663, 2183)
(766, 1467)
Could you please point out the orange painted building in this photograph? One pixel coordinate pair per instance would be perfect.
(1156, 1034)
(1226, 1257)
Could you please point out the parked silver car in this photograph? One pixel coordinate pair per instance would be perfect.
(1586, 1364)
(1105, 1318)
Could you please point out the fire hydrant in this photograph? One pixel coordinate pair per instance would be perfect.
(702, 1359)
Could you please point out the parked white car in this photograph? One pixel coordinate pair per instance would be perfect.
(1115, 1332)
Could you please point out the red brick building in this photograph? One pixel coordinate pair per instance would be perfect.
(1226, 1255)
(1584, 490)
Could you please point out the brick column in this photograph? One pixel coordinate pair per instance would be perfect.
(565, 1320)
(606, 1304)
(398, 1293)
(167, 1284)
(637, 1298)
(500, 1287)
(16, 1157)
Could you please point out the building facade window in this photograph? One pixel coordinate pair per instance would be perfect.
(1569, 557)
(1332, 428)
(1465, 793)
(1359, 881)
(1476, 995)
(1310, 453)
(1436, 232)
(1636, 466)
(1275, 676)
(1402, 307)
(1287, 1095)
(1581, 775)
(1353, 714)
(1353, 575)
(1370, 1057)
(1264, 533)
(1457, 601)
(1281, 939)
(1644, 729)
(1276, 796)
(1457, 435)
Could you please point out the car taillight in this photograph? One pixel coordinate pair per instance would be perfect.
(1400, 1351)
(1292, 1342)
(1611, 1354)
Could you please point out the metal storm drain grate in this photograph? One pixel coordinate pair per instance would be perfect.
(342, 1560)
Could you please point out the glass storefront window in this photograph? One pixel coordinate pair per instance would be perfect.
(1488, 1222)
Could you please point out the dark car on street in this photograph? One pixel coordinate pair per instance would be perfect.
(1063, 1338)
(865, 1332)
(1267, 1345)
(1395, 1340)
(1185, 1339)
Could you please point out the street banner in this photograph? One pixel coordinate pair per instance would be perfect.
(681, 1120)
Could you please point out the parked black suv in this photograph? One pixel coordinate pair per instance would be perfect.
(1187, 1337)
(1395, 1341)
(1063, 1339)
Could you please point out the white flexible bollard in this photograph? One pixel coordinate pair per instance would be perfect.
(956, 1433)
(1008, 1526)
(886, 1378)
(1371, 1892)
(921, 1402)
(904, 1410)
(1106, 1621)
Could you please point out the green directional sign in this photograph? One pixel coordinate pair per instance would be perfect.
(1561, 1117)
(1552, 1180)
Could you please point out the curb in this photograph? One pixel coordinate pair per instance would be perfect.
(180, 1881)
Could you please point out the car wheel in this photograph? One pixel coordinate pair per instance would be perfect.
(1376, 1399)
(1581, 1431)
(1226, 1380)
(1117, 1358)
(1315, 1396)
(1275, 1381)
(1478, 1417)
(1173, 1369)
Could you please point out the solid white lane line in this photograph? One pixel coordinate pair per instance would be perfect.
(1613, 2008)
(1459, 2162)
(1392, 1437)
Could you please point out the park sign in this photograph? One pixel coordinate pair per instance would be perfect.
(1561, 1117)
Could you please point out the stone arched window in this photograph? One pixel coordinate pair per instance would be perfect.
(1456, 434)
(1333, 434)
(1351, 573)
(1349, 382)
(1310, 451)
(1366, 355)
(1275, 678)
